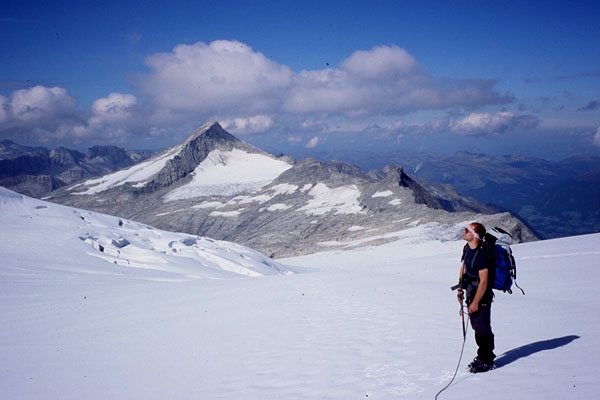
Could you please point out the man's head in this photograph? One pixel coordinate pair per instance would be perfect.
(474, 230)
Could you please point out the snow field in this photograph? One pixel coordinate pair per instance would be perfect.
(370, 323)
(227, 173)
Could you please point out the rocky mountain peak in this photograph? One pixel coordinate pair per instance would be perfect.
(64, 156)
(194, 150)
(214, 132)
(10, 150)
(111, 154)
(422, 195)
(396, 175)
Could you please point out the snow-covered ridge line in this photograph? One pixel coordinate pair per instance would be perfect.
(140, 173)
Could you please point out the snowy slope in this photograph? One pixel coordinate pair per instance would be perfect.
(227, 173)
(376, 322)
(87, 242)
(138, 174)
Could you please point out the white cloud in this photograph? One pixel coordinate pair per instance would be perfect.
(114, 108)
(229, 77)
(254, 124)
(218, 77)
(382, 63)
(492, 124)
(384, 80)
(4, 109)
(40, 114)
(313, 142)
(294, 139)
(35, 104)
(112, 117)
(46, 114)
(597, 138)
(230, 82)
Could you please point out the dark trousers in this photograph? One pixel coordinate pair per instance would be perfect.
(484, 337)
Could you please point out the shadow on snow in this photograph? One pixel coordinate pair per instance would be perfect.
(529, 349)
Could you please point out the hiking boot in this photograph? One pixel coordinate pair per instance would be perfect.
(479, 366)
(475, 361)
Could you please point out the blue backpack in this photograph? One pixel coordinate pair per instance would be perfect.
(501, 257)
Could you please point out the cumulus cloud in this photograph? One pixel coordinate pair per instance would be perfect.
(35, 104)
(597, 138)
(218, 77)
(385, 80)
(116, 108)
(382, 63)
(254, 124)
(230, 77)
(39, 113)
(313, 142)
(112, 117)
(492, 124)
(4, 110)
(50, 113)
(250, 93)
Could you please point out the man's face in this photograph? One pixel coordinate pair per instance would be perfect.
(469, 233)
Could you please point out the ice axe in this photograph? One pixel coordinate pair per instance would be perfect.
(462, 308)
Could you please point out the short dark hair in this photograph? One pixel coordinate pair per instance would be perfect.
(479, 229)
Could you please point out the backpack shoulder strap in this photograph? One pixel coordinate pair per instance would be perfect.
(487, 251)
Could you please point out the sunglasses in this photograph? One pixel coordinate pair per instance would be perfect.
(468, 229)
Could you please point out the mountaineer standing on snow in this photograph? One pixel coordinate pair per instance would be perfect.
(476, 280)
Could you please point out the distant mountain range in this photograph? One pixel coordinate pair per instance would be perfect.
(36, 171)
(217, 186)
(554, 198)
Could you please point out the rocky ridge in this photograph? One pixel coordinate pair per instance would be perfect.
(35, 171)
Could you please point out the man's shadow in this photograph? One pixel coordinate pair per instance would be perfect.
(529, 349)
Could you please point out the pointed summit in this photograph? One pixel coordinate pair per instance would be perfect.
(174, 164)
(213, 131)
(193, 151)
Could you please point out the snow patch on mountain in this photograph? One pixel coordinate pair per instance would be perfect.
(227, 173)
(261, 198)
(227, 214)
(284, 188)
(355, 228)
(210, 204)
(140, 174)
(385, 193)
(276, 207)
(339, 200)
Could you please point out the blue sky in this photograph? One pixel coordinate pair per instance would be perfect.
(505, 77)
